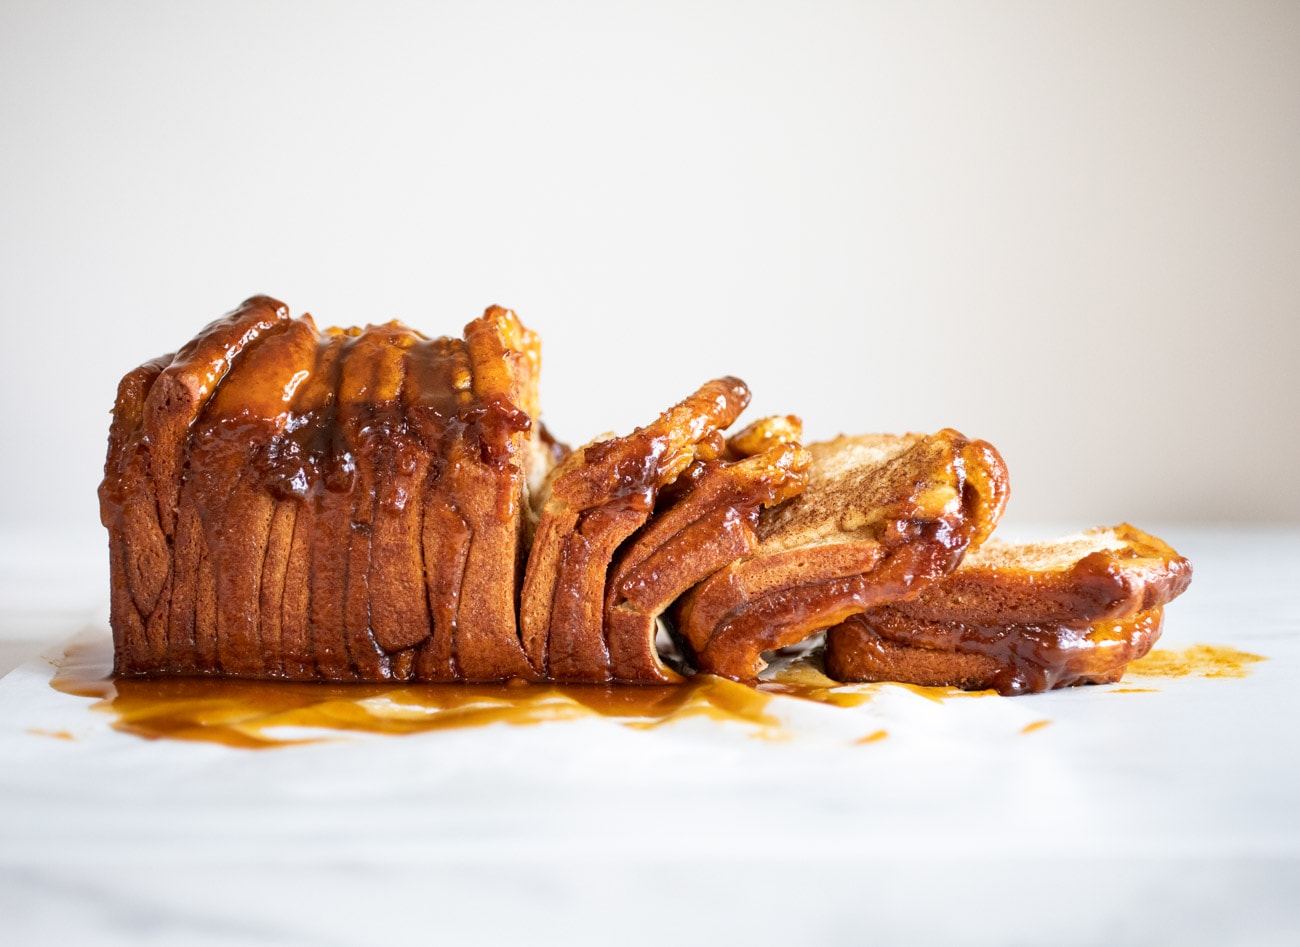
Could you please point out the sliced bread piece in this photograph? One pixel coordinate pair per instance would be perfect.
(1021, 617)
(881, 517)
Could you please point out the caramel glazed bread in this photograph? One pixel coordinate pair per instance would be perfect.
(1021, 617)
(372, 504)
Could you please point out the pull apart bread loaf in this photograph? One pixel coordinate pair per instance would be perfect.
(373, 504)
(1021, 617)
(345, 505)
(882, 516)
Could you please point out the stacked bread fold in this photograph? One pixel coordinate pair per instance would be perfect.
(709, 520)
(598, 497)
(346, 505)
(1021, 617)
(882, 516)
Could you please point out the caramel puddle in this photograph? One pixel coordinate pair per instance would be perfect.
(251, 714)
(1199, 660)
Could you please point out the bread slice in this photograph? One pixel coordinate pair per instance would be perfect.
(710, 520)
(1013, 659)
(145, 468)
(1021, 617)
(599, 496)
(491, 458)
(226, 511)
(881, 517)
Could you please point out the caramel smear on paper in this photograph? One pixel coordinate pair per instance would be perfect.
(256, 714)
(253, 714)
(1199, 660)
(52, 734)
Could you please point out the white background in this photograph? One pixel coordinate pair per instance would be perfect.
(1073, 230)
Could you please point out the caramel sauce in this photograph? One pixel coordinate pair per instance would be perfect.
(1199, 660)
(253, 714)
(52, 734)
(803, 678)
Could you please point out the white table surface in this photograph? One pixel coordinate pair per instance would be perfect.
(1170, 816)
